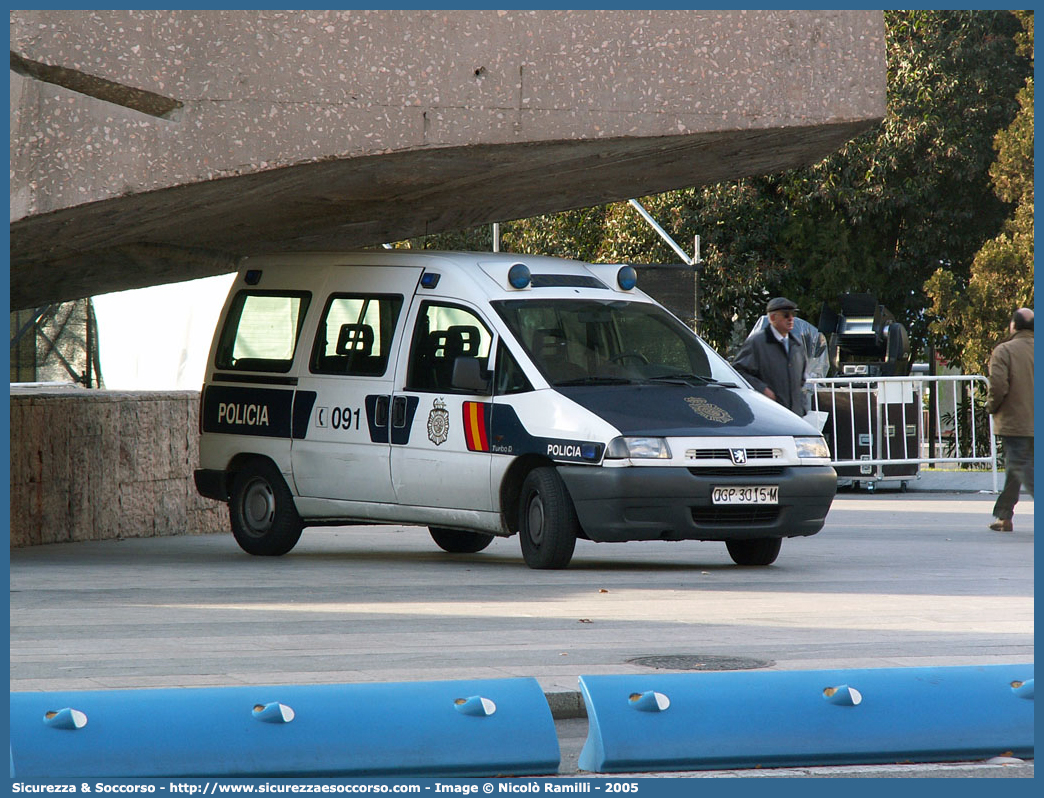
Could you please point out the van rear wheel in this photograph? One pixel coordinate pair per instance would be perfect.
(759, 551)
(261, 511)
(547, 523)
(459, 541)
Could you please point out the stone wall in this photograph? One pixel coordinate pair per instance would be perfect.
(94, 464)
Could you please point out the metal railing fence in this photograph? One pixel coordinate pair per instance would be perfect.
(877, 424)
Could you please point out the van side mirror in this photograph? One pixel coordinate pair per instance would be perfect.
(468, 375)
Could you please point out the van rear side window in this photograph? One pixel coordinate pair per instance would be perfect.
(262, 330)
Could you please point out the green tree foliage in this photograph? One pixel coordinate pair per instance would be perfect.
(971, 315)
(882, 215)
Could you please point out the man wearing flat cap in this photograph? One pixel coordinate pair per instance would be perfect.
(773, 361)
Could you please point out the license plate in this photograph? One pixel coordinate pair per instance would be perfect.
(740, 494)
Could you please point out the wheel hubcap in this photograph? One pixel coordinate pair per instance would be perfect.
(259, 506)
(535, 520)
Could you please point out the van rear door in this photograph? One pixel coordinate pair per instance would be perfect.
(345, 451)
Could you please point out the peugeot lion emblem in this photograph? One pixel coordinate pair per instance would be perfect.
(739, 456)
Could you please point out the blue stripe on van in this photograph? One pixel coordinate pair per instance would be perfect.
(266, 412)
(396, 417)
(509, 436)
(304, 401)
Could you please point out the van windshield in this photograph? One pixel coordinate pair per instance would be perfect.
(583, 341)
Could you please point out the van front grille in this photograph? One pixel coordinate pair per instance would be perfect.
(723, 454)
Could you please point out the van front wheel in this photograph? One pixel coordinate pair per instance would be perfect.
(459, 541)
(261, 511)
(547, 523)
(759, 551)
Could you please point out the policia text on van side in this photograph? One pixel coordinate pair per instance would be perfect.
(485, 394)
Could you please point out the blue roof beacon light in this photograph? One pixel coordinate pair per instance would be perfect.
(430, 279)
(627, 278)
(252, 277)
(519, 276)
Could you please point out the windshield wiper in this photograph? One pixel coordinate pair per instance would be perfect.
(596, 381)
(689, 379)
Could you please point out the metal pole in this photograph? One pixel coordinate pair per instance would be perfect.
(662, 233)
(496, 236)
(933, 398)
(689, 261)
(696, 261)
(88, 341)
(881, 430)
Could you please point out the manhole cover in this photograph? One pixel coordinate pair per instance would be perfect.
(700, 662)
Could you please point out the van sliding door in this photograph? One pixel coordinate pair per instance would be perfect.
(344, 454)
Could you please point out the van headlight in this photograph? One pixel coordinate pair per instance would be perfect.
(812, 447)
(638, 449)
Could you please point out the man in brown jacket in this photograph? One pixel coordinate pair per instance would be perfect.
(1011, 403)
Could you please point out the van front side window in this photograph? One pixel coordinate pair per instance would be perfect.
(442, 334)
(262, 330)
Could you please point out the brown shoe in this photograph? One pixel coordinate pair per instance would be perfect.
(1000, 525)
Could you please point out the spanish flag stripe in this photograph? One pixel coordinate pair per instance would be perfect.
(469, 425)
(473, 425)
(480, 415)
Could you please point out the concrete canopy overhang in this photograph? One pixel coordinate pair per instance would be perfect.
(746, 93)
(198, 230)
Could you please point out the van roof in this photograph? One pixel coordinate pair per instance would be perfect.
(487, 271)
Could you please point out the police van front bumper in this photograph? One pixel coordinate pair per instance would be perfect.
(673, 503)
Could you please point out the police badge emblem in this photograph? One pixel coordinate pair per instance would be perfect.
(438, 423)
(709, 411)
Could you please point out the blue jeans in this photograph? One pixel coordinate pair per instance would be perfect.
(1018, 471)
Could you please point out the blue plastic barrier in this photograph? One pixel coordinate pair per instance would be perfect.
(706, 721)
(466, 728)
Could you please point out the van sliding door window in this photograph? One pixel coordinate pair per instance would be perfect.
(355, 335)
(262, 330)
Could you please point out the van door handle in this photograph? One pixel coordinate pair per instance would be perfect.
(399, 411)
(380, 412)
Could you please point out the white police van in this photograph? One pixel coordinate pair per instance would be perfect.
(486, 394)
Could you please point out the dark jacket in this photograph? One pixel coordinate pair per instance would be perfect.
(1011, 385)
(764, 362)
